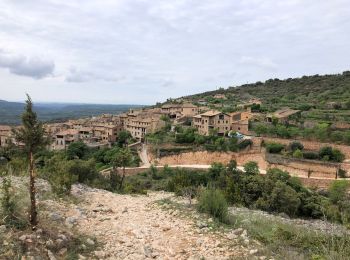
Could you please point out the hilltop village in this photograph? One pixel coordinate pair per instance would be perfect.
(103, 130)
(196, 128)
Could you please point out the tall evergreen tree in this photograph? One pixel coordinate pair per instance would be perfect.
(32, 135)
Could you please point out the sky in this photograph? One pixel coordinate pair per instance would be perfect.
(144, 51)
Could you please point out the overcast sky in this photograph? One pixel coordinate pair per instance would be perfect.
(143, 51)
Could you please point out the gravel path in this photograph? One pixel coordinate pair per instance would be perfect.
(135, 227)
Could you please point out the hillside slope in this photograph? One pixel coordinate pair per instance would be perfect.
(317, 90)
(324, 98)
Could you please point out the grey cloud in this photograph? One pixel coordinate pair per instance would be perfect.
(33, 67)
(79, 76)
(264, 63)
(172, 48)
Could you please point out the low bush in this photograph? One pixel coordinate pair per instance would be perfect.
(9, 208)
(274, 147)
(213, 202)
(244, 144)
(293, 146)
(298, 154)
(184, 178)
(338, 191)
(311, 155)
(327, 153)
(341, 173)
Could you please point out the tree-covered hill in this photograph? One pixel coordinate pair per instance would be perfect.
(10, 111)
(321, 91)
(322, 97)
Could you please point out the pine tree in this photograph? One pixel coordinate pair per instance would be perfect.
(31, 135)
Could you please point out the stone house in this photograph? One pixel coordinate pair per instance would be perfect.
(210, 121)
(240, 121)
(189, 109)
(65, 138)
(143, 124)
(5, 135)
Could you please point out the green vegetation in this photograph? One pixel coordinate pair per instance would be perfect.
(9, 212)
(213, 202)
(31, 134)
(190, 140)
(322, 132)
(275, 192)
(274, 147)
(281, 239)
(321, 97)
(295, 149)
(289, 240)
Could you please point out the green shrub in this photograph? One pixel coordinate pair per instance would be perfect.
(7, 202)
(298, 154)
(215, 170)
(285, 199)
(327, 153)
(62, 173)
(293, 146)
(77, 150)
(188, 136)
(62, 180)
(244, 144)
(338, 191)
(274, 147)
(338, 156)
(213, 202)
(251, 168)
(184, 178)
(311, 155)
(134, 188)
(341, 173)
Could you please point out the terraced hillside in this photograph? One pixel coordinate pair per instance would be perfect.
(325, 97)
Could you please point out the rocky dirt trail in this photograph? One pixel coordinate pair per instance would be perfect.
(137, 227)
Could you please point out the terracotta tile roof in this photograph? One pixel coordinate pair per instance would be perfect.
(211, 113)
(171, 106)
(68, 132)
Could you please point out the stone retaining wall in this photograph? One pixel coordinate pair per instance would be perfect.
(308, 145)
(303, 167)
(207, 158)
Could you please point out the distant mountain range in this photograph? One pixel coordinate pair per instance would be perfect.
(10, 112)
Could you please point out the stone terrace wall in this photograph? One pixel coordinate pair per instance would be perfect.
(301, 167)
(317, 183)
(309, 145)
(207, 158)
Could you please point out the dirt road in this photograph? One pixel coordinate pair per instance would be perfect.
(136, 227)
